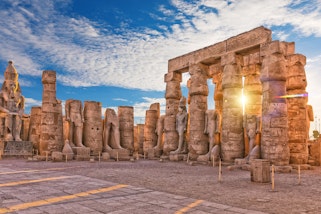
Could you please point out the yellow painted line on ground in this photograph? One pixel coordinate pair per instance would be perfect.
(58, 199)
(35, 170)
(33, 181)
(185, 209)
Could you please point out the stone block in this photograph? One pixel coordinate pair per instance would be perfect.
(56, 156)
(16, 148)
(119, 154)
(296, 58)
(177, 157)
(231, 58)
(105, 156)
(81, 153)
(260, 171)
(240, 161)
(173, 76)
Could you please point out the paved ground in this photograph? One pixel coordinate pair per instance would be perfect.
(149, 186)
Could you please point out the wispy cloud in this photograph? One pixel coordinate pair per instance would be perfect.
(91, 54)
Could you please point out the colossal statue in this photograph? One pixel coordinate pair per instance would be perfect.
(11, 104)
(111, 135)
(75, 118)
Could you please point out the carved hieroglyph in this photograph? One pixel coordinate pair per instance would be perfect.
(11, 105)
(51, 134)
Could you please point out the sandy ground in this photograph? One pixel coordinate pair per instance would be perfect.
(201, 182)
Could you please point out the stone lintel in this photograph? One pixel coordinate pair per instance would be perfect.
(277, 47)
(244, 42)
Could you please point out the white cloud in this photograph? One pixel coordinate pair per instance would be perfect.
(30, 102)
(90, 54)
(313, 71)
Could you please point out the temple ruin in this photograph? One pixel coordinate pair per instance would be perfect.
(272, 125)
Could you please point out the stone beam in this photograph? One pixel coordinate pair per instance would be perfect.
(242, 43)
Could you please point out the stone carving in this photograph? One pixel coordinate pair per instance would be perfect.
(93, 127)
(111, 135)
(159, 132)
(213, 130)
(34, 127)
(271, 69)
(126, 127)
(51, 134)
(181, 127)
(198, 91)
(252, 124)
(74, 116)
(11, 104)
(274, 143)
(298, 114)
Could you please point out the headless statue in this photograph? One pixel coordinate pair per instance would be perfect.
(159, 131)
(111, 135)
(75, 118)
(252, 128)
(212, 128)
(181, 126)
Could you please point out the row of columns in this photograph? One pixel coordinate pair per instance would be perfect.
(269, 73)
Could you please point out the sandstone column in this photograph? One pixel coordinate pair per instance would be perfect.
(198, 105)
(51, 134)
(298, 118)
(150, 137)
(126, 127)
(274, 142)
(173, 95)
(232, 145)
(93, 130)
(252, 90)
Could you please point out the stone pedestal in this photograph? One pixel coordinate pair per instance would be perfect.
(81, 153)
(119, 154)
(177, 157)
(16, 148)
(154, 153)
(260, 171)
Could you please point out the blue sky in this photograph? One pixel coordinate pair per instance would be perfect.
(116, 51)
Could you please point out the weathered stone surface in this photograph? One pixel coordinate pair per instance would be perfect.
(56, 156)
(34, 126)
(51, 134)
(247, 41)
(126, 126)
(93, 129)
(260, 171)
(81, 153)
